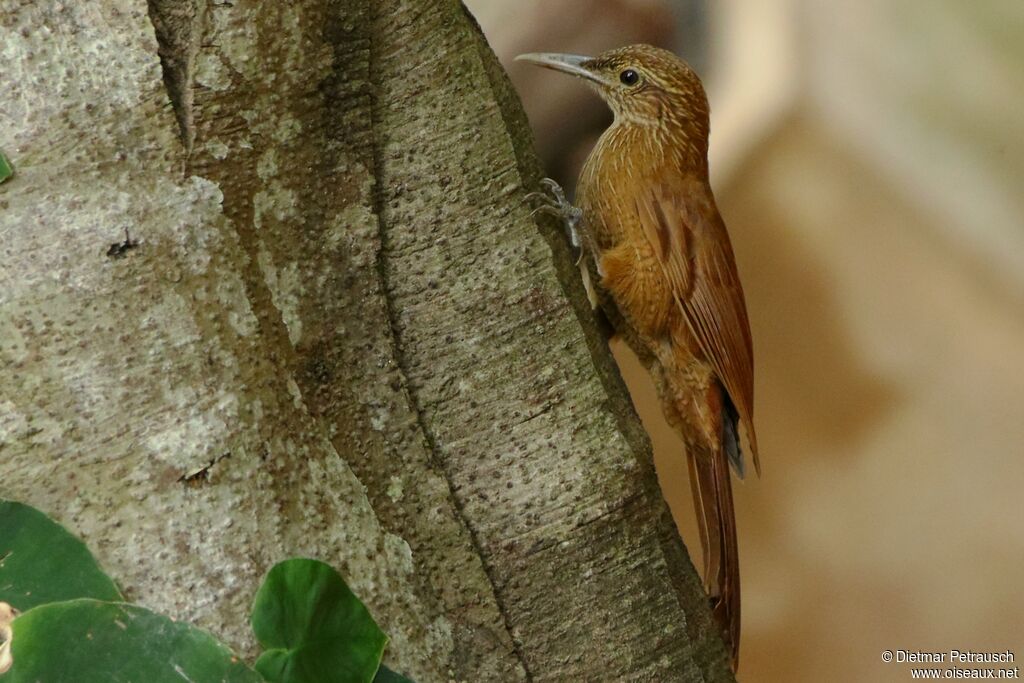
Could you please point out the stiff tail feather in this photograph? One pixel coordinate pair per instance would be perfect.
(712, 498)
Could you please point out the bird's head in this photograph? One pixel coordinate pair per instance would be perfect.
(642, 84)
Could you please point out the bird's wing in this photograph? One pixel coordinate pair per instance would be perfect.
(697, 258)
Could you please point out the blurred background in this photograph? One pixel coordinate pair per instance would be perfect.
(868, 157)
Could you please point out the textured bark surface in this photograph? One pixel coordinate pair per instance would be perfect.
(340, 335)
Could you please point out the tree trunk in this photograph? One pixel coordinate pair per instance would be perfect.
(332, 330)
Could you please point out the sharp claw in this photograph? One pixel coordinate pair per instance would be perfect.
(556, 190)
(546, 209)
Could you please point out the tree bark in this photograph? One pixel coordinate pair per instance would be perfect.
(333, 330)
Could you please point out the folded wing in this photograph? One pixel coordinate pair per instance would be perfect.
(697, 258)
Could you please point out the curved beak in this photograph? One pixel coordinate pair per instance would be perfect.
(570, 64)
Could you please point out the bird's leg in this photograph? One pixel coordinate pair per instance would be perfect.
(554, 202)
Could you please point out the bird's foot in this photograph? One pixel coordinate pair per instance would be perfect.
(554, 202)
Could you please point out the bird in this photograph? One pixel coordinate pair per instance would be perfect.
(658, 260)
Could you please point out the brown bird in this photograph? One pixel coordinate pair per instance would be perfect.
(667, 279)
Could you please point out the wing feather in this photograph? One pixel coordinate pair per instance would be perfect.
(698, 261)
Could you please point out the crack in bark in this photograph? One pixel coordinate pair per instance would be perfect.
(614, 508)
(379, 210)
(428, 436)
(176, 26)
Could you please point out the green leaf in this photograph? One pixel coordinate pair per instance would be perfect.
(5, 168)
(83, 641)
(313, 627)
(386, 675)
(40, 562)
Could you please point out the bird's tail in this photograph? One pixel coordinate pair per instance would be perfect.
(712, 498)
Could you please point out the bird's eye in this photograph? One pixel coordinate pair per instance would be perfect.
(629, 77)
